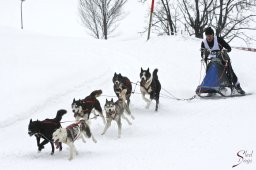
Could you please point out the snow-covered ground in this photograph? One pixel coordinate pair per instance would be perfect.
(42, 73)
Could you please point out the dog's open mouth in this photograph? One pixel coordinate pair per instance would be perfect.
(30, 133)
(57, 143)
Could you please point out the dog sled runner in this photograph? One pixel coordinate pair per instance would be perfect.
(217, 97)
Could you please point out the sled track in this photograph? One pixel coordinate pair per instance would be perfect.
(49, 101)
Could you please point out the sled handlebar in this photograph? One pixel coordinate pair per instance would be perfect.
(207, 52)
(213, 51)
(220, 54)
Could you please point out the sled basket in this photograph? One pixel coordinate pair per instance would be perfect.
(215, 79)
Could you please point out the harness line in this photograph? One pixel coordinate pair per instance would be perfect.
(170, 96)
(38, 133)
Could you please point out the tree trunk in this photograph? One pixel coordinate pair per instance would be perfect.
(169, 17)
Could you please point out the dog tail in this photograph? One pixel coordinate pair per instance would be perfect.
(155, 76)
(59, 114)
(96, 93)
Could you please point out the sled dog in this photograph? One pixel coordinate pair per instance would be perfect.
(115, 110)
(71, 133)
(150, 85)
(120, 83)
(83, 108)
(44, 129)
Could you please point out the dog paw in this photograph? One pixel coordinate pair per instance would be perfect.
(104, 122)
(147, 106)
(52, 153)
(40, 148)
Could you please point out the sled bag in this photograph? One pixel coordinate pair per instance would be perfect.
(214, 79)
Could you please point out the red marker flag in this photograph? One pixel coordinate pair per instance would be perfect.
(152, 6)
(150, 19)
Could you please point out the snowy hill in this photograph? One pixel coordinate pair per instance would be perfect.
(61, 17)
(41, 73)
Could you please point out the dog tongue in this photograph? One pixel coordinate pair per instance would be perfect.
(57, 143)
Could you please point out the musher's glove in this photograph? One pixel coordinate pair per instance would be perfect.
(223, 51)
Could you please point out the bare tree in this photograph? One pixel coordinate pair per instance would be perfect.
(233, 17)
(100, 17)
(165, 18)
(196, 14)
(163, 22)
(229, 17)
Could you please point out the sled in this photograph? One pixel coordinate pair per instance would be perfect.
(216, 80)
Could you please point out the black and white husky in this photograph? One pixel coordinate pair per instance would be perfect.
(120, 83)
(115, 110)
(150, 84)
(71, 133)
(83, 108)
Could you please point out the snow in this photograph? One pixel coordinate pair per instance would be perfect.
(42, 70)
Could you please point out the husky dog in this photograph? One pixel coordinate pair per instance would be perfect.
(150, 84)
(120, 83)
(115, 110)
(44, 129)
(83, 108)
(71, 133)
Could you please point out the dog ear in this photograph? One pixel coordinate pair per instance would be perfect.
(112, 100)
(74, 100)
(141, 69)
(106, 100)
(115, 73)
(30, 121)
(148, 70)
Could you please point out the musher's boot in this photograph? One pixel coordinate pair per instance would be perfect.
(239, 89)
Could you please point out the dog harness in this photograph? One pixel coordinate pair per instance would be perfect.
(85, 111)
(50, 121)
(73, 131)
(147, 86)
